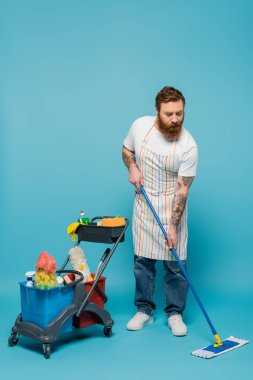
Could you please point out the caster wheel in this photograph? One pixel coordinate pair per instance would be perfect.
(107, 331)
(13, 340)
(47, 350)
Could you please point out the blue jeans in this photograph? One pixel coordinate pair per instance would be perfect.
(175, 284)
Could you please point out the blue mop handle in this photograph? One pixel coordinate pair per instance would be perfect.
(179, 262)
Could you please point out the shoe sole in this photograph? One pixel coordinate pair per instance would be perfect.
(140, 328)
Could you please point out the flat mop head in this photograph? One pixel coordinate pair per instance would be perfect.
(228, 344)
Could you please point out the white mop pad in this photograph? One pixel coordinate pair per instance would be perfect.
(229, 344)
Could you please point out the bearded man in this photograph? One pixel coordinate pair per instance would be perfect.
(162, 156)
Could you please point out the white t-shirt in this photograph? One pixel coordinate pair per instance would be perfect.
(186, 151)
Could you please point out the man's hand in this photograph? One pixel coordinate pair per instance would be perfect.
(135, 177)
(172, 237)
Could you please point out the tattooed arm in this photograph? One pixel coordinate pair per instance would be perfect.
(128, 157)
(181, 192)
(135, 176)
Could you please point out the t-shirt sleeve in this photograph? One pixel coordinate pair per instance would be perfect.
(188, 167)
(130, 138)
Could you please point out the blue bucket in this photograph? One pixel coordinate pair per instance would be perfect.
(42, 306)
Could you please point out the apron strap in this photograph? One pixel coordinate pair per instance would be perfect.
(148, 133)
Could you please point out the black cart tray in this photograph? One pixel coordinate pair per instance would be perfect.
(99, 234)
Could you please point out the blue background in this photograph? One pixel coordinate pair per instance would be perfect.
(74, 76)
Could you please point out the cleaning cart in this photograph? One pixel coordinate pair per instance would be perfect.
(45, 314)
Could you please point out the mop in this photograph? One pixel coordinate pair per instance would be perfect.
(220, 347)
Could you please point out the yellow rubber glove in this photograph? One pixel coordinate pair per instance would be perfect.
(72, 229)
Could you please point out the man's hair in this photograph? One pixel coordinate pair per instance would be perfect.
(168, 94)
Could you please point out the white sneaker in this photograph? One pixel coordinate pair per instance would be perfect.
(177, 326)
(138, 321)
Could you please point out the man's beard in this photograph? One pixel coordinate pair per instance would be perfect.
(169, 130)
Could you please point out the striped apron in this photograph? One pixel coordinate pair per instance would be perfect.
(160, 174)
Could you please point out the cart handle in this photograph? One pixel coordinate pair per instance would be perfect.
(73, 283)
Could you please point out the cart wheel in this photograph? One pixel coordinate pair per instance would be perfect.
(108, 331)
(13, 340)
(46, 350)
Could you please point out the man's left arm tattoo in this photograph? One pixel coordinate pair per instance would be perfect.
(181, 192)
(187, 181)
